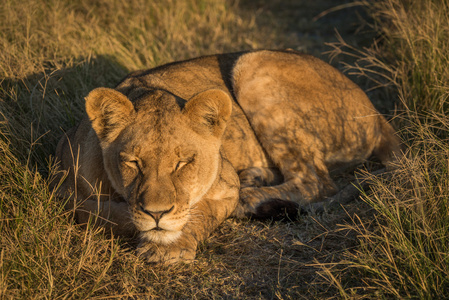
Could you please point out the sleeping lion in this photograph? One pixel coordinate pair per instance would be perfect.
(173, 151)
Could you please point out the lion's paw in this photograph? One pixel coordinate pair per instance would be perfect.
(247, 204)
(165, 254)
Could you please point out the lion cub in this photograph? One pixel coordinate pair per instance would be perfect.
(173, 151)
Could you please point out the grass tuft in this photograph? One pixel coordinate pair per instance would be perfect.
(42, 250)
(404, 251)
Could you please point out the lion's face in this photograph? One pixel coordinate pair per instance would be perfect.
(158, 156)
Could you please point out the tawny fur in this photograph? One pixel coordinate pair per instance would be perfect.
(162, 153)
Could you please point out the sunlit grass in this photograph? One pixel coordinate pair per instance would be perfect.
(404, 251)
(418, 37)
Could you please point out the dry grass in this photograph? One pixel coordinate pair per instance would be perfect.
(403, 251)
(55, 52)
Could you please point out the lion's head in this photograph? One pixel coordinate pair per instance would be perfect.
(161, 153)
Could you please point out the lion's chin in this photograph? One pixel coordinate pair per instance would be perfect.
(163, 237)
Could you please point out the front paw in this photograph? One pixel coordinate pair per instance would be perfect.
(166, 254)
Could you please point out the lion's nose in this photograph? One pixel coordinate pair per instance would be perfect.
(156, 215)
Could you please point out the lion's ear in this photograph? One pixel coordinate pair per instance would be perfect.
(209, 111)
(109, 112)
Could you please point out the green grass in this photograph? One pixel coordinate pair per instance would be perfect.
(393, 244)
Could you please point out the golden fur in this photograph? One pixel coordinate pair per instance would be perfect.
(173, 151)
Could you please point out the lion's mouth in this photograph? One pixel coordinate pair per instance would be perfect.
(160, 235)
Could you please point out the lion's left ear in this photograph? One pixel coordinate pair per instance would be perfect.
(109, 112)
(209, 111)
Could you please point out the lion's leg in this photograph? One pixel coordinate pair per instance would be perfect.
(297, 151)
(296, 146)
(303, 185)
(251, 182)
(257, 177)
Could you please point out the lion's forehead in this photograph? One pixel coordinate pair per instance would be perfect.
(160, 143)
(157, 125)
(160, 133)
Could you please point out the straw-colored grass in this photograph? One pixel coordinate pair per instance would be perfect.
(404, 250)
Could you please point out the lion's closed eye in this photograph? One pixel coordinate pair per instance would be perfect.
(134, 164)
(184, 162)
(130, 164)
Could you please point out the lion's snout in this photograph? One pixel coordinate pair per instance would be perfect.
(159, 216)
(156, 214)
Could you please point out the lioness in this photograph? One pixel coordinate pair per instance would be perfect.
(173, 151)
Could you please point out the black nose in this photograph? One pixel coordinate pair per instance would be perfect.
(156, 215)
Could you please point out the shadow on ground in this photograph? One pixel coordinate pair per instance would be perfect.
(49, 103)
(309, 25)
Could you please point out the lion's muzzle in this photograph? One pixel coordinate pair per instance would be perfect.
(157, 215)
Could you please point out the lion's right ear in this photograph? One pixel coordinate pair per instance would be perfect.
(209, 111)
(109, 112)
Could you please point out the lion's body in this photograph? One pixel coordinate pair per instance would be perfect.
(280, 120)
